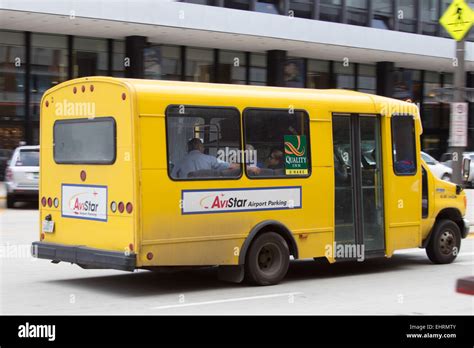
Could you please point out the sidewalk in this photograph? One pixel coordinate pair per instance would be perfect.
(3, 190)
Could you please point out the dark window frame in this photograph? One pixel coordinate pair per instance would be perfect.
(232, 108)
(95, 119)
(412, 118)
(307, 124)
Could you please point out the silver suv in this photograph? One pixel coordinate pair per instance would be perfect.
(21, 176)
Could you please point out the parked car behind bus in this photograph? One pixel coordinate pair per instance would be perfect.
(439, 169)
(21, 176)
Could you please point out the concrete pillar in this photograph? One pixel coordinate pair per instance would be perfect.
(275, 68)
(134, 46)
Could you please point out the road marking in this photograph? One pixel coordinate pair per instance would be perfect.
(228, 300)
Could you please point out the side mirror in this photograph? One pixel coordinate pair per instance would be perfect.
(466, 168)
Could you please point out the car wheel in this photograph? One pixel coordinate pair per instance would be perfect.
(267, 260)
(446, 177)
(445, 242)
(10, 201)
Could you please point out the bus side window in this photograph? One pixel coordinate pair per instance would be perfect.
(276, 143)
(403, 145)
(203, 142)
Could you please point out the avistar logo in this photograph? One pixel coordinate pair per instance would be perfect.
(220, 201)
(81, 202)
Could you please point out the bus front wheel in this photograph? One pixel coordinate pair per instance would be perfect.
(267, 260)
(445, 243)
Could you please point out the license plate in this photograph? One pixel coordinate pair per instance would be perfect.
(48, 226)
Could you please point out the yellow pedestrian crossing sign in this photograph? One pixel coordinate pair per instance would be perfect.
(457, 19)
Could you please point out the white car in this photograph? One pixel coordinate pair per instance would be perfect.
(437, 168)
(22, 174)
(446, 159)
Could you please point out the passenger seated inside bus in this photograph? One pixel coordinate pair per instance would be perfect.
(196, 160)
(273, 165)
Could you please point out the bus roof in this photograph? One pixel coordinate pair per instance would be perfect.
(142, 87)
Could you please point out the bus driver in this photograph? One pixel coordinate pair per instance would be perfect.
(196, 160)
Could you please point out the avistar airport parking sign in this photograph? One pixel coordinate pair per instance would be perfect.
(457, 19)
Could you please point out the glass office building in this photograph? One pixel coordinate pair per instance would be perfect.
(31, 62)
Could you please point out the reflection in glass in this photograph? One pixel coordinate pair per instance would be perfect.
(12, 75)
(343, 171)
(90, 57)
(199, 64)
(48, 66)
(232, 67)
(372, 189)
(162, 62)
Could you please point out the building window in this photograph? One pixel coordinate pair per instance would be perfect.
(407, 85)
(203, 142)
(268, 6)
(403, 145)
(118, 58)
(345, 75)
(12, 76)
(232, 67)
(294, 73)
(407, 16)
(49, 55)
(366, 79)
(258, 69)
(162, 62)
(301, 8)
(318, 74)
(429, 17)
(330, 10)
(199, 64)
(357, 12)
(90, 57)
(383, 14)
(279, 141)
(237, 4)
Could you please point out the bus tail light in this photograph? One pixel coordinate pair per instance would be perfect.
(50, 202)
(42, 236)
(129, 207)
(43, 201)
(131, 246)
(121, 207)
(83, 175)
(149, 256)
(113, 206)
(56, 202)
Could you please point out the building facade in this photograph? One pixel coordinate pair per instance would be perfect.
(394, 48)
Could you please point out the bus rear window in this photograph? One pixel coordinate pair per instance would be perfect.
(85, 141)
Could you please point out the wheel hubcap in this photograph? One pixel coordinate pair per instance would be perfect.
(447, 242)
(269, 259)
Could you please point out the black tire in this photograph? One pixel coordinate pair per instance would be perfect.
(267, 260)
(10, 201)
(445, 242)
(446, 177)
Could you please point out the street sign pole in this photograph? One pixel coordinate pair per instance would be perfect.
(457, 20)
(459, 83)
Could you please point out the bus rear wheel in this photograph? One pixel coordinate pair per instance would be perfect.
(445, 243)
(267, 260)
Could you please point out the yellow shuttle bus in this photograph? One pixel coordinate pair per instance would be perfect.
(139, 174)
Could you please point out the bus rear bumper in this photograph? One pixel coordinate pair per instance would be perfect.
(85, 257)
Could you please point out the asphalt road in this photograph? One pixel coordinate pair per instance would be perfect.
(405, 284)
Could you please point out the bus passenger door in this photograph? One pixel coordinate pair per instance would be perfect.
(359, 215)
